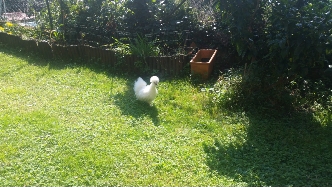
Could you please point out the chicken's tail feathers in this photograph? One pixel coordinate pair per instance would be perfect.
(139, 84)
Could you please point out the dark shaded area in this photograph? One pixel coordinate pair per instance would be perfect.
(286, 151)
(42, 58)
(35, 58)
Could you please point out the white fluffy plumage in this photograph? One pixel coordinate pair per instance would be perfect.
(144, 92)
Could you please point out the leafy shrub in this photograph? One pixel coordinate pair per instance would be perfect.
(280, 42)
(236, 91)
(142, 48)
(100, 22)
(228, 90)
(299, 36)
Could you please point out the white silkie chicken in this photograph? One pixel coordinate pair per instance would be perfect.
(144, 92)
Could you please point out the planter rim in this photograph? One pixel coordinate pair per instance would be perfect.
(200, 51)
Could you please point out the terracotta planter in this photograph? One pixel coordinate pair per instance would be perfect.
(203, 61)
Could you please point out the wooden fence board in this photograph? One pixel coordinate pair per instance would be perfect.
(167, 65)
(110, 57)
(44, 49)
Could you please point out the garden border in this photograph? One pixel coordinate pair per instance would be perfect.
(169, 65)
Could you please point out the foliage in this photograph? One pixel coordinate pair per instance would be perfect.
(98, 23)
(227, 91)
(299, 36)
(120, 47)
(234, 92)
(10, 28)
(289, 28)
(311, 95)
(25, 33)
(170, 24)
(141, 48)
(245, 22)
(279, 42)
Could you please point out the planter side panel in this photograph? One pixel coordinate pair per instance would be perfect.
(203, 68)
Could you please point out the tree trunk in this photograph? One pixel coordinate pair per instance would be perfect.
(49, 14)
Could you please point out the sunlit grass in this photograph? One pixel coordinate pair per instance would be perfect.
(62, 123)
(67, 124)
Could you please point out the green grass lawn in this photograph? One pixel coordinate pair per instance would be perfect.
(62, 123)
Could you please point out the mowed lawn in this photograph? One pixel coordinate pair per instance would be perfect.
(67, 124)
(64, 123)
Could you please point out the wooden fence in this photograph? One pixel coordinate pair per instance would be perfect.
(170, 65)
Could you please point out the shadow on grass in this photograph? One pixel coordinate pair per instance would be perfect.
(51, 62)
(32, 58)
(126, 101)
(130, 106)
(291, 151)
